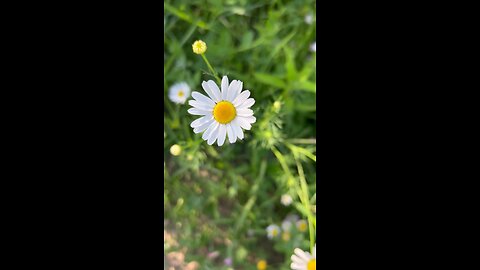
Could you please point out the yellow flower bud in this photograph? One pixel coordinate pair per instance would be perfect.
(199, 47)
(175, 150)
(277, 105)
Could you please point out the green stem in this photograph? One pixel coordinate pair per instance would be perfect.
(305, 201)
(312, 232)
(211, 69)
(302, 191)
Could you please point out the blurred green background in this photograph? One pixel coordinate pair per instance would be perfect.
(219, 200)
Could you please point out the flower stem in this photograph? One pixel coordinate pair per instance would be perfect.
(211, 69)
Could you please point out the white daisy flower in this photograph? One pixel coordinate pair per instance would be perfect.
(309, 19)
(292, 218)
(286, 199)
(302, 260)
(225, 112)
(286, 225)
(302, 225)
(313, 47)
(179, 92)
(273, 231)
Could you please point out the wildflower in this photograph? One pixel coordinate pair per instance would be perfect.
(262, 265)
(286, 225)
(286, 199)
(199, 47)
(285, 236)
(228, 261)
(179, 92)
(213, 255)
(313, 47)
(175, 150)
(273, 231)
(309, 19)
(302, 260)
(223, 112)
(302, 225)
(292, 218)
(277, 105)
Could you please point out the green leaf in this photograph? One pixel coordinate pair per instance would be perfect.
(184, 16)
(282, 43)
(290, 64)
(301, 208)
(270, 80)
(306, 86)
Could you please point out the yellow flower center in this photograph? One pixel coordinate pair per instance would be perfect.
(312, 264)
(274, 232)
(302, 226)
(262, 265)
(180, 93)
(224, 112)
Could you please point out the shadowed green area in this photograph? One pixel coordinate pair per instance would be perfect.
(222, 198)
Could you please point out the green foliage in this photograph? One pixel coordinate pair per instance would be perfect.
(222, 198)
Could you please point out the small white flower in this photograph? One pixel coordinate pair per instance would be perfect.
(292, 218)
(225, 112)
(302, 225)
(273, 231)
(302, 260)
(286, 225)
(309, 19)
(179, 92)
(286, 199)
(313, 47)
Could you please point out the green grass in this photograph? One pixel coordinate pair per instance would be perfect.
(223, 198)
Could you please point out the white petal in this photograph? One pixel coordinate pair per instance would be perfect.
(203, 127)
(302, 254)
(202, 98)
(196, 111)
(247, 103)
(250, 119)
(296, 266)
(200, 121)
(214, 135)
(297, 259)
(232, 90)
(215, 89)
(209, 131)
(200, 105)
(231, 135)
(239, 88)
(237, 129)
(244, 112)
(206, 87)
(241, 98)
(242, 122)
(222, 133)
(224, 87)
